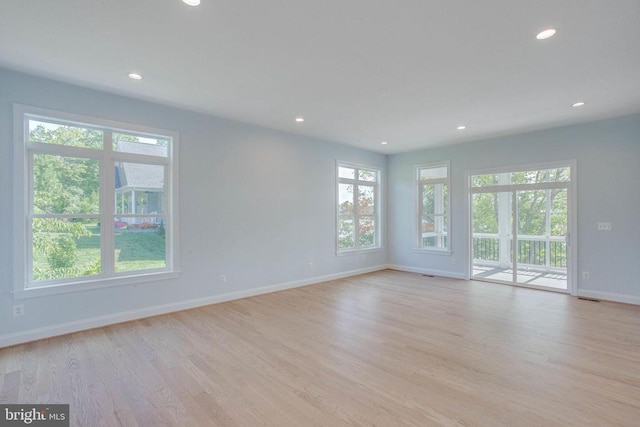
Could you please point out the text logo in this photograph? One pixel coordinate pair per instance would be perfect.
(34, 415)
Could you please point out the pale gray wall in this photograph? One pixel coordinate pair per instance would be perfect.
(255, 204)
(234, 176)
(608, 163)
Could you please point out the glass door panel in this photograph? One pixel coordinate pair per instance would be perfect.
(541, 228)
(539, 255)
(492, 236)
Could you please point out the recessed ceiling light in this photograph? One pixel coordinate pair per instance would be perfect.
(191, 2)
(384, 143)
(461, 127)
(546, 34)
(578, 104)
(135, 76)
(299, 119)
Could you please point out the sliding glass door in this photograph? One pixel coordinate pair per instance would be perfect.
(520, 227)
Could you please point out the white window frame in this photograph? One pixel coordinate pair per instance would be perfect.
(446, 249)
(24, 286)
(377, 246)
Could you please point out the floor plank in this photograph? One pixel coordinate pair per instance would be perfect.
(386, 348)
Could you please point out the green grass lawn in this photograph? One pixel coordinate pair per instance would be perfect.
(134, 251)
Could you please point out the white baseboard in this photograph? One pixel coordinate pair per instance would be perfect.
(110, 319)
(440, 273)
(608, 296)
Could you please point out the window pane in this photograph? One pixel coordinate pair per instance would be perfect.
(65, 248)
(559, 174)
(542, 175)
(346, 232)
(344, 172)
(433, 173)
(445, 199)
(484, 180)
(140, 145)
(140, 243)
(345, 199)
(65, 185)
(139, 188)
(485, 211)
(427, 230)
(51, 133)
(558, 212)
(366, 200)
(529, 177)
(365, 175)
(428, 199)
(428, 224)
(367, 231)
(532, 212)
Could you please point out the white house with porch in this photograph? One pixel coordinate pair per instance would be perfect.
(139, 186)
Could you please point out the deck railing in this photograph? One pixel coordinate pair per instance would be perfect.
(538, 251)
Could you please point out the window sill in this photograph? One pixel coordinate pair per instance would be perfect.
(93, 284)
(347, 252)
(432, 251)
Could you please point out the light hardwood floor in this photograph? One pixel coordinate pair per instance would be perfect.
(386, 348)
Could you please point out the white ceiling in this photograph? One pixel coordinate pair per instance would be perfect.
(359, 71)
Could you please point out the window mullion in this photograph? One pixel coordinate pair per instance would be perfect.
(107, 206)
(420, 212)
(356, 216)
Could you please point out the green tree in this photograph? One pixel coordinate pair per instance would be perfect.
(62, 185)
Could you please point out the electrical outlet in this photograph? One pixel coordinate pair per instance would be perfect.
(310, 266)
(586, 275)
(223, 278)
(18, 310)
(453, 261)
(604, 226)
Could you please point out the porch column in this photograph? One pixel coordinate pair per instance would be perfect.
(504, 221)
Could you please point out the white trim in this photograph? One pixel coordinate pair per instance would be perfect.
(347, 252)
(73, 119)
(88, 283)
(518, 168)
(572, 246)
(520, 285)
(20, 200)
(520, 187)
(432, 251)
(609, 296)
(439, 273)
(110, 319)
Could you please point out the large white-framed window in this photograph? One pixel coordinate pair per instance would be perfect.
(432, 183)
(358, 208)
(95, 202)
